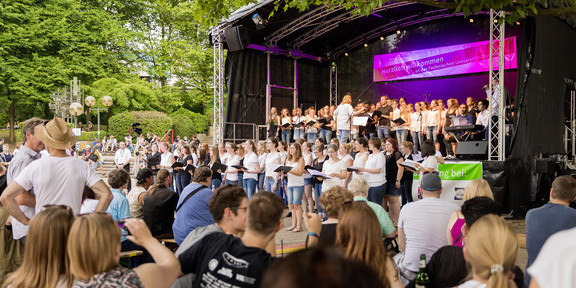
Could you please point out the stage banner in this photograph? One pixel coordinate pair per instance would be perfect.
(455, 177)
(441, 61)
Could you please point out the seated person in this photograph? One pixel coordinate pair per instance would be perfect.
(159, 206)
(331, 201)
(359, 187)
(223, 260)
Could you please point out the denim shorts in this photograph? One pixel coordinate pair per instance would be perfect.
(295, 194)
(391, 189)
(308, 181)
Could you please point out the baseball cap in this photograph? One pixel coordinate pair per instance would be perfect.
(431, 182)
(143, 174)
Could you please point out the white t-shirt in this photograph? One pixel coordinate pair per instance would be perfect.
(429, 162)
(416, 121)
(424, 223)
(88, 206)
(58, 180)
(232, 161)
(262, 162)
(271, 163)
(332, 168)
(307, 162)
(294, 180)
(250, 161)
(556, 262)
(165, 160)
(472, 284)
(432, 119)
(343, 113)
(359, 163)
(375, 160)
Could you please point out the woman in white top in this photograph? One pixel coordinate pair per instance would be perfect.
(285, 125)
(262, 153)
(299, 131)
(491, 248)
(374, 172)
(344, 155)
(222, 152)
(343, 115)
(295, 188)
(231, 175)
(308, 205)
(361, 145)
(311, 130)
(403, 130)
(432, 123)
(334, 168)
(252, 164)
(416, 127)
(272, 162)
(166, 159)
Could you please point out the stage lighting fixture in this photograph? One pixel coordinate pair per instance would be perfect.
(259, 21)
(517, 23)
(495, 20)
(398, 32)
(346, 54)
(365, 45)
(381, 38)
(471, 20)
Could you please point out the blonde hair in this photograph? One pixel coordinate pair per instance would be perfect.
(161, 177)
(347, 99)
(331, 200)
(359, 187)
(103, 235)
(45, 261)
(478, 188)
(347, 146)
(491, 244)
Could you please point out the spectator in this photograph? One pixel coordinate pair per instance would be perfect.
(331, 201)
(119, 208)
(159, 206)
(58, 179)
(222, 252)
(359, 187)
(96, 265)
(421, 227)
(555, 264)
(153, 158)
(45, 263)
(553, 217)
(192, 210)
(491, 248)
(122, 159)
(144, 180)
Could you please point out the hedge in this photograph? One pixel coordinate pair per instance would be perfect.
(200, 123)
(89, 136)
(150, 122)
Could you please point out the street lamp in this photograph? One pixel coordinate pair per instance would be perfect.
(106, 101)
(76, 109)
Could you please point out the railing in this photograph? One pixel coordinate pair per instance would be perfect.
(240, 132)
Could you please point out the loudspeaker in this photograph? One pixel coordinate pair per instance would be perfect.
(472, 150)
(545, 166)
(237, 38)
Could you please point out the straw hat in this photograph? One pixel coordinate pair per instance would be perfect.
(55, 134)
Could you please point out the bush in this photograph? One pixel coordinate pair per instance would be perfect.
(150, 121)
(200, 122)
(182, 125)
(89, 136)
(119, 123)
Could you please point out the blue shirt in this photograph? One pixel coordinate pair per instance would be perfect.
(194, 213)
(119, 207)
(541, 223)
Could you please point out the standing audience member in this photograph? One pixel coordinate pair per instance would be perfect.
(553, 217)
(407, 177)
(122, 159)
(192, 210)
(394, 173)
(243, 257)
(45, 263)
(96, 265)
(159, 206)
(119, 208)
(58, 179)
(144, 180)
(421, 227)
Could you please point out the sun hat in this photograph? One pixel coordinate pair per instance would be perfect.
(55, 134)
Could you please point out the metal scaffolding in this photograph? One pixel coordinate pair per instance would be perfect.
(218, 78)
(333, 84)
(496, 140)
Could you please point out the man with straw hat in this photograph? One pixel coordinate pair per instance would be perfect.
(58, 179)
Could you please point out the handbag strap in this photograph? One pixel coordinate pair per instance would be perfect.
(190, 195)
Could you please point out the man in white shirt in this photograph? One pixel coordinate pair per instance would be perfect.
(422, 227)
(483, 119)
(57, 180)
(556, 262)
(122, 160)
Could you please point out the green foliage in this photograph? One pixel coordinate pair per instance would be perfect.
(90, 136)
(182, 125)
(200, 122)
(119, 123)
(153, 122)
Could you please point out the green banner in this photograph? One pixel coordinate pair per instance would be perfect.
(458, 171)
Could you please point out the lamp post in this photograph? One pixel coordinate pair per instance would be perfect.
(106, 101)
(76, 109)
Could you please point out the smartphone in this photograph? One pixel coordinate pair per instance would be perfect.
(123, 229)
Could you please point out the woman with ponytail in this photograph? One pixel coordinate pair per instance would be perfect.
(159, 206)
(491, 248)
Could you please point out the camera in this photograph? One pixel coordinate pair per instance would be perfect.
(135, 127)
(124, 231)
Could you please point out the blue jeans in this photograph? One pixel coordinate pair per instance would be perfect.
(299, 133)
(295, 195)
(249, 186)
(226, 182)
(311, 137)
(431, 133)
(416, 139)
(344, 135)
(270, 183)
(401, 135)
(317, 193)
(326, 135)
(240, 176)
(406, 191)
(286, 136)
(216, 183)
(261, 177)
(383, 132)
(376, 194)
(182, 180)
